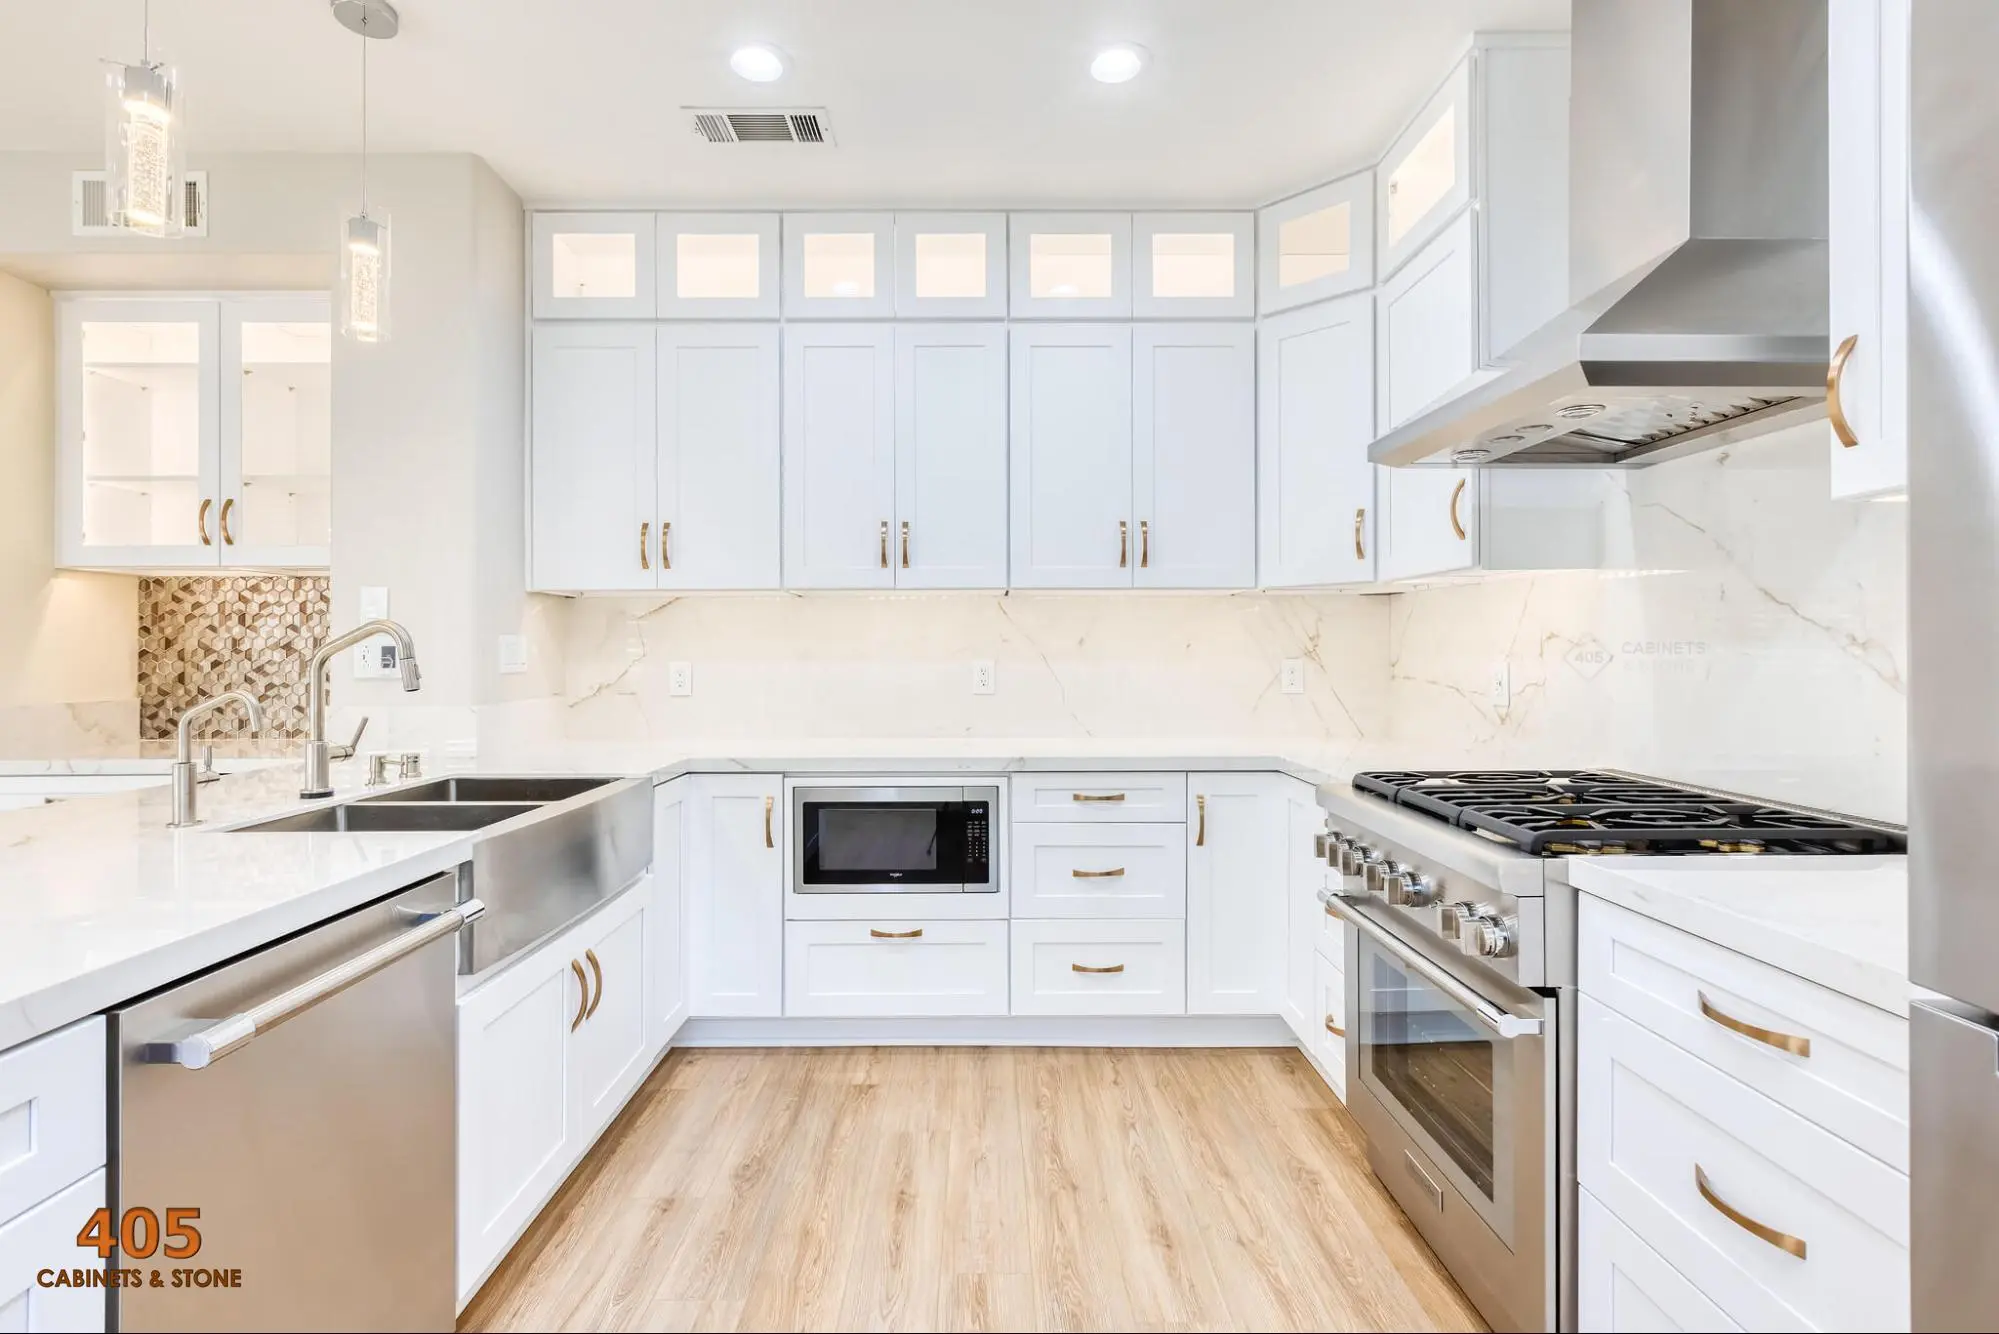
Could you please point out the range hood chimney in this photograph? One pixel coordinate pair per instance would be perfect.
(1698, 275)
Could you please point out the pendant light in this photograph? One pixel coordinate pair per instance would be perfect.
(364, 238)
(145, 139)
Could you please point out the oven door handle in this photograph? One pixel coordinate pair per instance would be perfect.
(1499, 1021)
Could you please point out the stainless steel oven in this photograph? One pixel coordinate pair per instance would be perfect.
(905, 838)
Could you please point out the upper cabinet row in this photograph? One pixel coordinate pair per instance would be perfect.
(848, 266)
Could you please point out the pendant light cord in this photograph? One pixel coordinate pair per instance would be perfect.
(146, 33)
(364, 114)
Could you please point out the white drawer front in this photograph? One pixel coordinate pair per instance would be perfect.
(45, 1238)
(1331, 937)
(1100, 797)
(1649, 1115)
(894, 967)
(52, 1099)
(1099, 870)
(1625, 1287)
(1329, 1024)
(1126, 966)
(1849, 1072)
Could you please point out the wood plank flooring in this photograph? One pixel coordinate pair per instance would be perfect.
(917, 1188)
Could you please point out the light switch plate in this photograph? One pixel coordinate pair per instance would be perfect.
(1291, 676)
(679, 678)
(513, 654)
(1500, 691)
(368, 657)
(982, 677)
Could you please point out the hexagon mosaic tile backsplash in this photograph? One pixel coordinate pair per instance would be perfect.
(201, 635)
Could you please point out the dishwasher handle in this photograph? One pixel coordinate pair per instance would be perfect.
(211, 1044)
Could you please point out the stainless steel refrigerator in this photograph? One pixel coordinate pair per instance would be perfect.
(1954, 661)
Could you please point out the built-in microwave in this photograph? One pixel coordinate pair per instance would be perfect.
(904, 839)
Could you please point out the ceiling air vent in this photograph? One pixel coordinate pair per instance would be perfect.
(90, 212)
(796, 125)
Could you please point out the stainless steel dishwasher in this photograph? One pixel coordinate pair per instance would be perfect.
(303, 1098)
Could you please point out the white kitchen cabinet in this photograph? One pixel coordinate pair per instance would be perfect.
(51, 1114)
(718, 458)
(883, 967)
(1426, 325)
(1431, 521)
(1099, 870)
(1238, 874)
(594, 465)
(950, 265)
(608, 1053)
(1867, 60)
(666, 929)
(1316, 245)
(195, 433)
(1069, 265)
(734, 889)
(1441, 521)
(1119, 966)
(594, 266)
(1305, 876)
(1425, 177)
(1193, 265)
(1626, 1287)
(1099, 797)
(717, 266)
(839, 455)
(44, 1238)
(1327, 1021)
(1316, 515)
(1194, 455)
(839, 266)
(1071, 459)
(950, 481)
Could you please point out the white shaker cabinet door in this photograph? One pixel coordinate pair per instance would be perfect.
(734, 827)
(1194, 455)
(1071, 457)
(1317, 522)
(719, 512)
(950, 456)
(666, 936)
(1432, 521)
(28, 1244)
(592, 479)
(1426, 325)
(607, 1053)
(1238, 873)
(839, 455)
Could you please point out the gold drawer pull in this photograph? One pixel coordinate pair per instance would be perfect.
(666, 544)
(1835, 372)
(582, 1000)
(1456, 527)
(1088, 796)
(1086, 968)
(1359, 525)
(1144, 544)
(201, 522)
(905, 544)
(227, 539)
(1769, 1037)
(1334, 1028)
(895, 935)
(1201, 833)
(1333, 912)
(884, 546)
(768, 803)
(645, 532)
(1123, 543)
(1783, 1241)
(1098, 875)
(596, 969)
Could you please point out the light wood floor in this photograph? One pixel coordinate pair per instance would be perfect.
(915, 1188)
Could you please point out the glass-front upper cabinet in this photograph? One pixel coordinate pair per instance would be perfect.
(950, 265)
(593, 266)
(1426, 176)
(1070, 265)
(1191, 265)
(839, 265)
(718, 266)
(194, 433)
(1316, 245)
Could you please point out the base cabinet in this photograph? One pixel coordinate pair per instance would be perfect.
(666, 926)
(30, 1243)
(1238, 875)
(734, 827)
(895, 968)
(1119, 966)
(1625, 1287)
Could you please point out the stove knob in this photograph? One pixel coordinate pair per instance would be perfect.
(1319, 843)
(1451, 917)
(1492, 939)
(1353, 854)
(1412, 890)
(1376, 870)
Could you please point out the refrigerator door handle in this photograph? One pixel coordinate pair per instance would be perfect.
(211, 1044)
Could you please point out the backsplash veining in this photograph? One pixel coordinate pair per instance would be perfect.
(199, 636)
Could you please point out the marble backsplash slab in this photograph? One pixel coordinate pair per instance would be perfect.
(76, 729)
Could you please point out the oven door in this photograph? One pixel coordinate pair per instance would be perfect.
(891, 840)
(1454, 1087)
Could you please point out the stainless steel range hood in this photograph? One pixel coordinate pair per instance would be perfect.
(1697, 248)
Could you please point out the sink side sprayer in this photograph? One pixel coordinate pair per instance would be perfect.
(319, 756)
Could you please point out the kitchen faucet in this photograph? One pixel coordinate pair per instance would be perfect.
(319, 755)
(185, 781)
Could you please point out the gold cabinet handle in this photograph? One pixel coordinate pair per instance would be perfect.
(597, 971)
(583, 999)
(1783, 1241)
(645, 557)
(1201, 830)
(666, 544)
(1334, 913)
(884, 550)
(227, 539)
(1144, 544)
(1769, 1037)
(1086, 968)
(905, 544)
(1334, 1028)
(1359, 523)
(879, 934)
(1835, 411)
(768, 803)
(1096, 796)
(1456, 527)
(1123, 544)
(201, 523)
(1116, 873)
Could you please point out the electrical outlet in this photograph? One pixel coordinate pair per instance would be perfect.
(513, 654)
(1500, 690)
(679, 678)
(982, 677)
(1291, 677)
(635, 639)
(369, 660)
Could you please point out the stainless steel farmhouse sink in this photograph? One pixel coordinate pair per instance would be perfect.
(368, 817)
(487, 787)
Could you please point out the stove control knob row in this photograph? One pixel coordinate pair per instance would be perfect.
(1353, 856)
(1408, 888)
(1376, 870)
(1486, 936)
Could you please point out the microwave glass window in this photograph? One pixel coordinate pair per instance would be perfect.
(1193, 264)
(594, 265)
(950, 265)
(1314, 245)
(715, 266)
(1435, 1061)
(878, 838)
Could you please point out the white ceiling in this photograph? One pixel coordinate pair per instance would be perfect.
(932, 101)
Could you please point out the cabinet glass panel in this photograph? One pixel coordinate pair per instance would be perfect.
(951, 265)
(594, 266)
(839, 265)
(1315, 245)
(717, 266)
(1424, 177)
(1193, 264)
(1068, 266)
(287, 434)
(141, 433)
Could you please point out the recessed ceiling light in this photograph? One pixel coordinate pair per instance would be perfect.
(758, 64)
(1117, 64)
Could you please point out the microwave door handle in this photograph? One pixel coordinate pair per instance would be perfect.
(1497, 1020)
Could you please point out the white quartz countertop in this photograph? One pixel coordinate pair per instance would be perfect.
(1842, 922)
